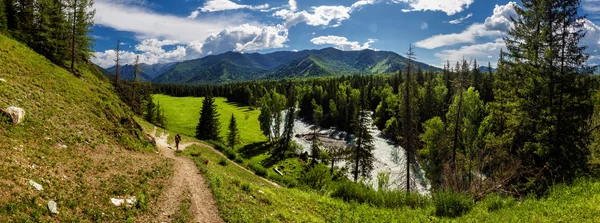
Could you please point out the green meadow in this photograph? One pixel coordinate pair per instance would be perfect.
(183, 114)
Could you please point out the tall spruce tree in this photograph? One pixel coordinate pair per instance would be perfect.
(233, 138)
(552, 106)
(317, 117)
(290, 116)
(208, 125)
(266, 118)
(362, 157)
(3, 17)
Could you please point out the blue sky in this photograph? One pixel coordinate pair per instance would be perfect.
(164, 31)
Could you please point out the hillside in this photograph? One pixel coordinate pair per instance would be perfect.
(235, 67)
(149, 71)
(78, 141)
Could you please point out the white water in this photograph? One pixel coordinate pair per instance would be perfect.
(388, 157)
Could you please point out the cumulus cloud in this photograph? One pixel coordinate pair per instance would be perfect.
(154, 45)
(481, 52)
(147, 24)
(592, 41)
(319, 16)
(424, 26)
(450, 7)
(496, 25)
(461, 19)
(293, 5)
(246, 38)
(342, 43)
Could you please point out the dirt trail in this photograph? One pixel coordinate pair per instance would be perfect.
(183, 146)
(186, 178)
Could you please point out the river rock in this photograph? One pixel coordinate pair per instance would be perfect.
(52, 207)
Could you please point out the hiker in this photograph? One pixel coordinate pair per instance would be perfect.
(177, 140)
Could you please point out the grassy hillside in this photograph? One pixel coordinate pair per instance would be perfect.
(78, 141)
(243, 197)
(183, 115)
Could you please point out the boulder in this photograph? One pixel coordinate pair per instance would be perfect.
(35, 185)
(17, 114)
(52, 207)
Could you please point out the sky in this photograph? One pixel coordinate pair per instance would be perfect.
(163, 31)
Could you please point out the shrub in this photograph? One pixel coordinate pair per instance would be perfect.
(451, 204)
(246, 187)
(259, 169)
(317, 177)
(230, 154)
(218, 145)
(142, 201)
(239, 160)
(495, 202)
(223, 162)
(350, 191)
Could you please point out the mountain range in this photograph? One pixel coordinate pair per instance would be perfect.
(235, 67)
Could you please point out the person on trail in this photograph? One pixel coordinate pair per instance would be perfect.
(177, 140)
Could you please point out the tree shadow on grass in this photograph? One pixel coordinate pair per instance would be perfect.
(254, 149)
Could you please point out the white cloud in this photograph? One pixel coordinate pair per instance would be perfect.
(246, 38)
(223, 5)
(496, 25)
(592, 41)
(341, 43)
(461, 19)
(154, 45)
(146, 24)
(194, 14)
(592, 6)
(481, 52)
(319, 16)
(450, 7)
(361, 3)
(293, 5)
(424, 26)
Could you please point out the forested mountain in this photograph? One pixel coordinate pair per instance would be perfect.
(235, 67)
(148, 71)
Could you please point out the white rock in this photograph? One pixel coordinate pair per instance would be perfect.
(17, 114)
(131, 201)
(36, 185)
(260, 191)
(2, 80)
(52, 207)
(117, 202)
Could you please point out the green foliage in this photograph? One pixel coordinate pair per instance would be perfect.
(435, 148)
(233, 137)
(258, 169)
(208, 125)
(317, 177)
(230, 154)
(223, 162)
(496, 202)
(451, 204)
(364, 194)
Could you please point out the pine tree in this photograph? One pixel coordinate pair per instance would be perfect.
(82, 21)
(117, 63)
(288, 130)
(317, 117)
(136, 69)
(362, 157)
(208, 125)
(552, 105)
(3, 16)
(266, 118)
(150, 109)
(409, 96)
(233, 137)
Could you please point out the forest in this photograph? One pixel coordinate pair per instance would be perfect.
(518, 130)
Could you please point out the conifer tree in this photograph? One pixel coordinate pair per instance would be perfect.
(362, 157)
(288, 130)
(117, 63)
(317, 117)
(208, 125)
(233, 137)
(3, 17)
(266, 118)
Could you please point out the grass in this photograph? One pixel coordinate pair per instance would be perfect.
(78, 141)
(183, 115)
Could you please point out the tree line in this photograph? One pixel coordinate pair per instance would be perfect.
(56, 29)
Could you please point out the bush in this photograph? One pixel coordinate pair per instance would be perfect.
(218, 145)
(495, 202)
(246, 187)
(350, 191)
(317, 177)
(230, 154)
(451, 204)
(223, 162)
(142, 201)
(259, 169)
(239, 160)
